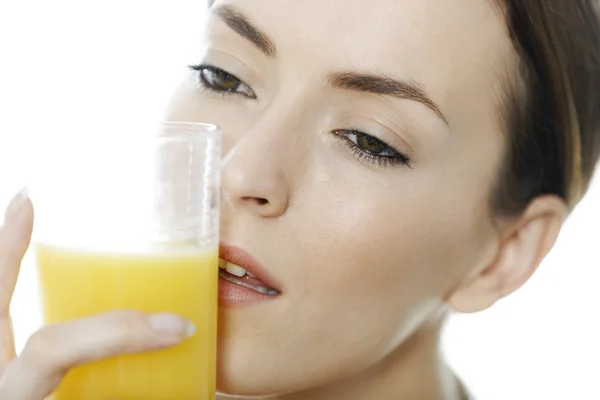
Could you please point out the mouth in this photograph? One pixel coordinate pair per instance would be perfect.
(238, 275)
(242, 280)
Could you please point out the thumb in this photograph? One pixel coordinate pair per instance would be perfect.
(15, 236)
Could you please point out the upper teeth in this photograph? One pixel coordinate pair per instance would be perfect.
(233, 269)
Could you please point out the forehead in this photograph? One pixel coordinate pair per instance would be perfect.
(456, 48)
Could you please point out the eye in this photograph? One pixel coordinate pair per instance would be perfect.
(221, 81)
(371, 149)
(373, 146)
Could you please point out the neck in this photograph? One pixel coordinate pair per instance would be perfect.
(415, 370)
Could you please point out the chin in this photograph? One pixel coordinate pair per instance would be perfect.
(255, 380)
(248, 382)
(228, 389)
(244, 396)
(242, 376)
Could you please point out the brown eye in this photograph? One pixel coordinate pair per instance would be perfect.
(371, 145)
(369, 148)
(221, 81)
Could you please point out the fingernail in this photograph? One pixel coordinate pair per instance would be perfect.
(16, 204)
(171, 324)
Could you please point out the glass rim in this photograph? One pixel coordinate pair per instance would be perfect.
(191, 127)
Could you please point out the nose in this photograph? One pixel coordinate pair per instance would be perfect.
(253, 175)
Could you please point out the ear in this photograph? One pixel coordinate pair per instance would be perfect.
(523, 245)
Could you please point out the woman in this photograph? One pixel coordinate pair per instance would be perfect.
(386, 163)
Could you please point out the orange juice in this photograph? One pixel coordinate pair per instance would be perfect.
(76, 284)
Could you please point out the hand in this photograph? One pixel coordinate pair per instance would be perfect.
(53, 350)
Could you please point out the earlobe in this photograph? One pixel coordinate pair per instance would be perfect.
(527, 241)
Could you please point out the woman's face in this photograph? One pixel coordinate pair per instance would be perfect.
(361, 143)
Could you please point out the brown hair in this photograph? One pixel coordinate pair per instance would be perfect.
(552, 106)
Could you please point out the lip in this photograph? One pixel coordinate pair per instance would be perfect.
(231, 294)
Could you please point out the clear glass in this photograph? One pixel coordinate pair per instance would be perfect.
(132, 223)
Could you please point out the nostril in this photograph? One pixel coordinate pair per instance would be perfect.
(259, 200)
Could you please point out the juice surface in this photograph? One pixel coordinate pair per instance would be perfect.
(76, 284)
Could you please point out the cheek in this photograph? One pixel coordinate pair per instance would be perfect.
(387, 256)
(386, 244)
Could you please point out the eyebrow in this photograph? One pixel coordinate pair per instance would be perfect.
(244, 27)
(366, 83)
(383, 85)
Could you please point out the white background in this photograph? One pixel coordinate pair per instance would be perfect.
(69, 67)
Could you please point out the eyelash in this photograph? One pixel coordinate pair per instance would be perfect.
(394, 158)
(350, 137)
(215, 89)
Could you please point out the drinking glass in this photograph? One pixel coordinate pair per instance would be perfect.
(131, 222)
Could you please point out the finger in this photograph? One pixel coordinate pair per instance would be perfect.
(15, 236)
(7, 342)
(52, 351)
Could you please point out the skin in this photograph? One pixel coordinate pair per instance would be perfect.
(370, 258)
(351, 235)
